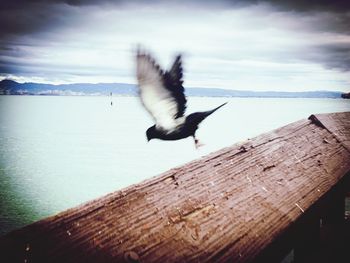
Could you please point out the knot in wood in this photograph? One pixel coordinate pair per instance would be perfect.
(131, 256)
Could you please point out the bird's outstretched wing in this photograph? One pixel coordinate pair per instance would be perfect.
(161, 93)
(173, 82)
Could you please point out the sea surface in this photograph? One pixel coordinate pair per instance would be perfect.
(58, 152)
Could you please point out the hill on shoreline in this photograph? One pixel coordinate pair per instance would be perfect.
(10, 87)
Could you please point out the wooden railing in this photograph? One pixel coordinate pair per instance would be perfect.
(281, 192)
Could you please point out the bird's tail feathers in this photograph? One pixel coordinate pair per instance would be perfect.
(213, 110)
(197, 117)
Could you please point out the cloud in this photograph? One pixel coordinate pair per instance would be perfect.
(332, 55)
(22, 16)
(225, 43)
(27, 17)
(310, 5)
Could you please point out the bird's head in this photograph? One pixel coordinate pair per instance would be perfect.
(151, 133)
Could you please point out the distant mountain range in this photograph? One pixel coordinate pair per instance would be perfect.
(10, 87)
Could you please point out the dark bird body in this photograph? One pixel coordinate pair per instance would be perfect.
(162, 94)
(188, 129)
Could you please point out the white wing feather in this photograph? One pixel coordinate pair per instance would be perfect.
(155, 97)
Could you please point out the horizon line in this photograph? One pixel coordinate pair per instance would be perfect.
(186, 87)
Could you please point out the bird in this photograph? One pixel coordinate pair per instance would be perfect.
(163, 96)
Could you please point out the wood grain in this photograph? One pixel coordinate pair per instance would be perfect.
(229, 206)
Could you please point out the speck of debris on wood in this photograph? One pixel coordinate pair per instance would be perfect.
(268, 167)
(174, 177)
(243, 149)
(264, 189)
(279, 181)
(250, 180)
(325, 140)
(302, 210)
(27, 247)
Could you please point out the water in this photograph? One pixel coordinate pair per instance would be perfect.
(57, 152)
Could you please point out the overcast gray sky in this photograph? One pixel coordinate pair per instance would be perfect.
(246, 45)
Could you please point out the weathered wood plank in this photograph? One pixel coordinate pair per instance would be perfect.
(336, 123)
(229, 206)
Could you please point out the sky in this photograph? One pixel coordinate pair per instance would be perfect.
(257, 45)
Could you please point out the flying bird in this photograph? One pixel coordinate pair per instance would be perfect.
(162, 94)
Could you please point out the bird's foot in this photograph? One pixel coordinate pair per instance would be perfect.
(197, 143)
